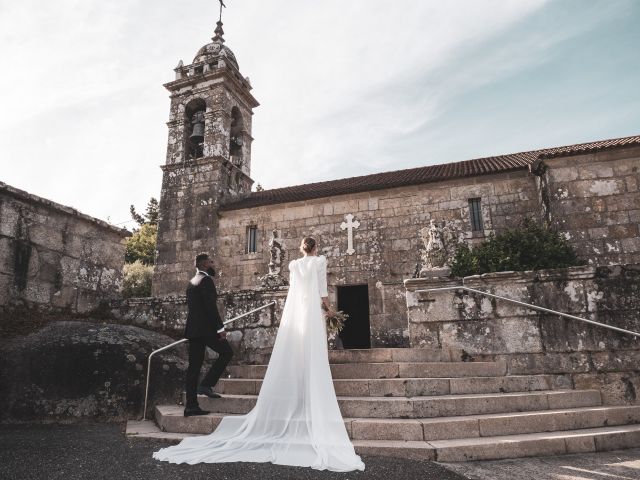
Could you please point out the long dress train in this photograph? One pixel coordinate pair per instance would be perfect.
(296, 419)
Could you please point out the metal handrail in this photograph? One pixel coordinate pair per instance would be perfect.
(533, 307)
(171, 345)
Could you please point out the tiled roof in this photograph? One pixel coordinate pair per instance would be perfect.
(590, 147)
(420, 175)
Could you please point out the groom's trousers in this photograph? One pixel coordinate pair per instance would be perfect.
(197, 348)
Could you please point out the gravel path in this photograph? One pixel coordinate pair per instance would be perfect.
(101, 451)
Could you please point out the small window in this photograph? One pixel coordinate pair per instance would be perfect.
(252, 237)
(198, 70)
(475, 211)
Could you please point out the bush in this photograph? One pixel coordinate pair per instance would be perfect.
(529, 247)
(136, 280)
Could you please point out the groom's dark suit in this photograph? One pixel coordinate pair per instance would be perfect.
(203, 327)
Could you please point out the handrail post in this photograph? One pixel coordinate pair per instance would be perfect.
(171, 345)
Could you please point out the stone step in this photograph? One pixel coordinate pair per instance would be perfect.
(412, 450)
(430, 407)
(170, 419)
(467, 449)
(537, 444)
(391, 370)
(412, 387)
(513, 423)
(382, 355)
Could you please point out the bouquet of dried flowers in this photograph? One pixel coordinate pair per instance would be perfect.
(335, 322)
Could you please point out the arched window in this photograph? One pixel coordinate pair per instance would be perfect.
(235, 135)
(194, 121)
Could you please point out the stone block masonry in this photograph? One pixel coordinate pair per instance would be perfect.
(251, 337)
(594, 200)
(54, 258)
(386, 242)
(532, 342)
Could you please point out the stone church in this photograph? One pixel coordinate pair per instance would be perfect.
(478, 377)
(373, 229)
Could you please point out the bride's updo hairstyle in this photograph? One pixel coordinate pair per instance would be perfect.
(307, 245)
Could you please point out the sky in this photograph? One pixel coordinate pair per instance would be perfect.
(346, 88)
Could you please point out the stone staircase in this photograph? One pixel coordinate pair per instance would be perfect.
(429, 405)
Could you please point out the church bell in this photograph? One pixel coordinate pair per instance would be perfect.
(197, 135)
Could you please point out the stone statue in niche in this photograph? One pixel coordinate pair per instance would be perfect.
(439, 242)
(273, 279)
(276, 251)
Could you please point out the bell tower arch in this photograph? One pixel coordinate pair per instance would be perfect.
(208, 158)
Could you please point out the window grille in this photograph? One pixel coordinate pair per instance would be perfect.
(475, 212)
(252, 236)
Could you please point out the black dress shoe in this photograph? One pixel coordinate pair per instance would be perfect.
(190, 412)
(208, 391)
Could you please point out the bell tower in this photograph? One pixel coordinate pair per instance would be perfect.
(208, 158)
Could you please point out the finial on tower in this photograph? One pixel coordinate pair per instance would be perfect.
(219, 32)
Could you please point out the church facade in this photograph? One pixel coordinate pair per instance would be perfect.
(371, 228)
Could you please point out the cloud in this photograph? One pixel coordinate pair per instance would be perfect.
(346, 88)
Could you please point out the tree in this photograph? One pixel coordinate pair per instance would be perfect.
(141, 246)
(149, 217)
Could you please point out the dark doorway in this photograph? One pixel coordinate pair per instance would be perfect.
(354, 301)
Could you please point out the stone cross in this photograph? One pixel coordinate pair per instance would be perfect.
(350, 225)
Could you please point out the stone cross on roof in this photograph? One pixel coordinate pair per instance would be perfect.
(219, 32)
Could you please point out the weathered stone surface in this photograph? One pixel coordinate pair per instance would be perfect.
(503, 384)
(540, 343)
(385, 429)
(573, 398)
(411, 450)
(616, 388)
(54, 258)
(464, 450)
(495, 336)
(251, 337)
(78, 370)
(451, 369)
(446, 428)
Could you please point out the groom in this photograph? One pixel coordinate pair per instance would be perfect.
(204, 329)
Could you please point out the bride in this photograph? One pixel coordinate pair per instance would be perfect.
(296, 420)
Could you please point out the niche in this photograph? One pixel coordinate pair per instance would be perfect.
(235, 135)
(194, 121)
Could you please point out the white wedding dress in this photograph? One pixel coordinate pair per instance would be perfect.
(296, 420)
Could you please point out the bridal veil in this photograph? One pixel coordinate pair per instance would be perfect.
(296, 419)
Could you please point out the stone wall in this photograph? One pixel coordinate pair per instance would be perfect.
(251, 337)
(386, 242)
(191, 192)
(595, 200)
(53, 258)
(532, 342)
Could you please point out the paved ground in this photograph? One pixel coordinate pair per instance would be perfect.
(101, 451)
(619, 465)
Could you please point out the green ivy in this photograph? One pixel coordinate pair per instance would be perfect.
(528, 247)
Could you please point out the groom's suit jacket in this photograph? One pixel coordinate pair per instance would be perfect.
(203, 318)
